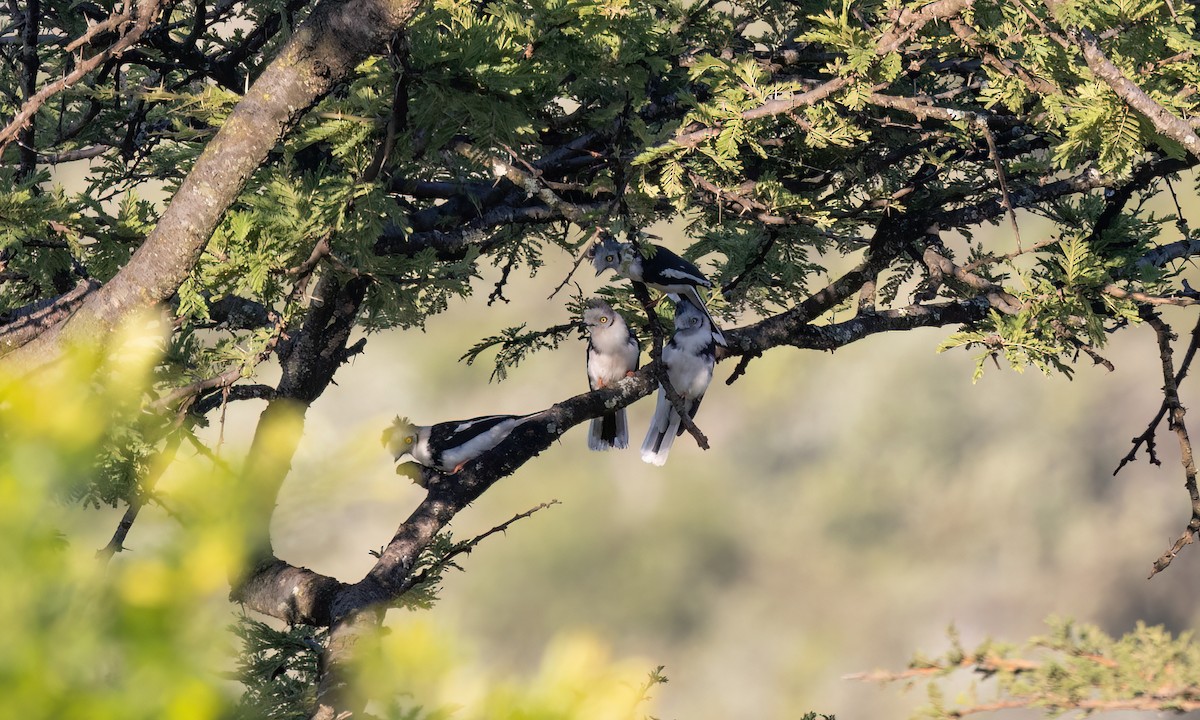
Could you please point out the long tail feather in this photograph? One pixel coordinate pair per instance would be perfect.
(694, 297)
(661, 434)
(610, 432)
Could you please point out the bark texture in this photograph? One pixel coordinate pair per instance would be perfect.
(323, 51)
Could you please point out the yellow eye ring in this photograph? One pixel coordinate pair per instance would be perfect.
(603, 320)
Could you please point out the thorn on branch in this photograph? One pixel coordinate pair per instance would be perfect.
(1097, 358)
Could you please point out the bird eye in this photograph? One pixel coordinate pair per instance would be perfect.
(408, 440)
(603, 319)
(608, 258)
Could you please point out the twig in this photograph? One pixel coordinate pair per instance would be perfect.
(30, 67)
(758, 211)
(469, 545)
(997, 296)
(23, 324)
(693, 138)
(1162, 119)
(987, 665)
(528, 181)
(398, 118)
(161, 463)
(991, 259)
(759, 258)
(579, 259)
(1175, 421)
(1114, 290)
(1147, 437)
(743, 362)
(498, 292)
(1004, 195)
(1180, 221)
(207, 402)
(146, 12)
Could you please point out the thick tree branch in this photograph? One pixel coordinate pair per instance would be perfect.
(323, 51)
(1163, 121)
(23, 324)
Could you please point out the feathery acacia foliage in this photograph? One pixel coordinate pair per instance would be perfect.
(276, 178)
(1076, 667)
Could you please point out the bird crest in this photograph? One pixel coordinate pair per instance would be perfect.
(399, 438)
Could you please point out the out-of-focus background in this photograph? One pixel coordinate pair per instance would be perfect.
(852, 507)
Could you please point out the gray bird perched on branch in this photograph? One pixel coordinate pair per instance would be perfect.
(448, 446)
(663, 270)
(612, 354)
(689, 358)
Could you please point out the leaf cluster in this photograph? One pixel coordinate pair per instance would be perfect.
(1075, 667)
(277, 668)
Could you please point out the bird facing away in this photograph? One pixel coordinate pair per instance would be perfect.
(448, 446)
(612, 354)
(689, 358)
(664, 271)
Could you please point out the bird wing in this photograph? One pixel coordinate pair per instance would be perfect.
(666, 265)
(459, 432)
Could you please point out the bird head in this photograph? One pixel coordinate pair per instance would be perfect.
(606, 254)
(400, 438)
(688, 316)
(598, 314)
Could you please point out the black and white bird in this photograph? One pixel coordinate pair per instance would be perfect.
(448, 446)
(689, 357)
(663, 270)
(612, 354)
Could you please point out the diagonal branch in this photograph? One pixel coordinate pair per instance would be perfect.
(146, 12)
(323, 51)
(24, 324)
(1162, 119)
(139, 499)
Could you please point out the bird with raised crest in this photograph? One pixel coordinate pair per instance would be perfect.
(448, 446)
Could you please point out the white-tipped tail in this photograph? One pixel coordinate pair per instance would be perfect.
(664, 426)
(610, 432)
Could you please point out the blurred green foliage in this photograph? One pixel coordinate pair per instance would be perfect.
(87, 637)
(140, 634)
